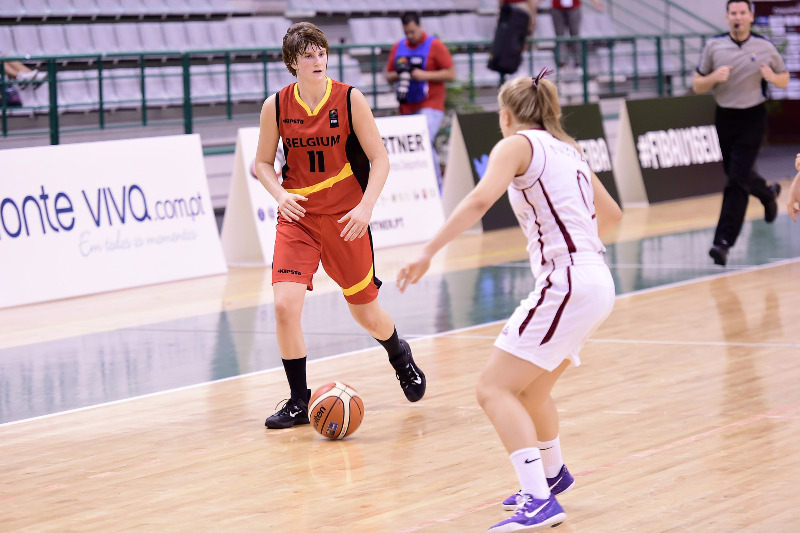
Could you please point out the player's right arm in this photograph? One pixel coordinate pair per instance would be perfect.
(702, 84)
(606, 208)
(268, 137)
(510, 157)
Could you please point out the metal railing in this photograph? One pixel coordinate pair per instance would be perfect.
(614, 65)
(658, 16)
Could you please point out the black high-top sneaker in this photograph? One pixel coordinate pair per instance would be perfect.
(293, 413)
(412, 380)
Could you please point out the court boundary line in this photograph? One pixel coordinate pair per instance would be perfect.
(669, 343)
(668, 286)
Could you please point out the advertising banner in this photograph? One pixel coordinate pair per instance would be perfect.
(780, 22)
(409, 209)
(251, 213)
(481, 131)
(86, 218)
(584, 123)
(671, 146)
(474, 135)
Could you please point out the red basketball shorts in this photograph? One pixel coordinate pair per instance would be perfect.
(301, 245)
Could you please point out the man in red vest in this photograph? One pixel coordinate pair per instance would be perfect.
(420, 65)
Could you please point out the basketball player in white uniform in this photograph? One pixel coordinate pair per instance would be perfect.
(563, 208)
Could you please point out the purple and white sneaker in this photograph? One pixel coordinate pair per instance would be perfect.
(563, 482)
(532, 514)
(560, 484)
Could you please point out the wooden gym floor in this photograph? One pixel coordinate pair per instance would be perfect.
(143, 409)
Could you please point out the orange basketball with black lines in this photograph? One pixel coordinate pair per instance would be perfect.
(335, 410)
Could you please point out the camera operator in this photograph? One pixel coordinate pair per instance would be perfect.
(419, 66)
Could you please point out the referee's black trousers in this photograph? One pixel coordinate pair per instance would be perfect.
(740, 133)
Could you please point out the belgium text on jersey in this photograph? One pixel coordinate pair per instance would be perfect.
(300, 142)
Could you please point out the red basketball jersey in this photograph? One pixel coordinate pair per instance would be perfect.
(324, 160)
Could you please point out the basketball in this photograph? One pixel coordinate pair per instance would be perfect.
(336, 410)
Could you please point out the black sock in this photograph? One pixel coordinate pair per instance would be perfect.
(296, 375)
(393, 348)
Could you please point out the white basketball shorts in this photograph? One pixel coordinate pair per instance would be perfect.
(557, 318)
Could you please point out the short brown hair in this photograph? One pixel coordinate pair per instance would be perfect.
(749, 5)
(298, 38)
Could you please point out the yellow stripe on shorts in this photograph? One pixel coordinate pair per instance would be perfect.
(361, 285)
(345, 173)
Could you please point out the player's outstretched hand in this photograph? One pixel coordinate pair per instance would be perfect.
(412, 272)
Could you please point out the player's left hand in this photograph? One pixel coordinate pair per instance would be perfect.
(357, 222)
(412, 272)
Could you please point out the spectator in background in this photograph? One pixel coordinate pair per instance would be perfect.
(22, 74)
(793, 202)
(736, 67)
(528, 6)
(567, 16)
(420, 65)
(516, 22)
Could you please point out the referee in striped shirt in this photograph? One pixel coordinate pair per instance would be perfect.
(737, 67)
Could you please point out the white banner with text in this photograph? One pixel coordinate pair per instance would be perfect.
(409, 209)
(251, 213)
(85, 218)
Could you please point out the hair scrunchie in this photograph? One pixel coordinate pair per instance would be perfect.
(542, 74)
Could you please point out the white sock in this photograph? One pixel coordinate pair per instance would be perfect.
(551, 456)
(25, 75)
(528, 464)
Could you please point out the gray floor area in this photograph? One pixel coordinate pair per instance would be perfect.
(72, 373)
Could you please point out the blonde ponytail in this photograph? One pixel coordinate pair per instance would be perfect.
(535, 101)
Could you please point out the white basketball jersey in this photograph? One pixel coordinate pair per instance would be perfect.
(554, 202)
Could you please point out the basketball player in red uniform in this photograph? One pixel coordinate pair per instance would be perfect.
(336, 165)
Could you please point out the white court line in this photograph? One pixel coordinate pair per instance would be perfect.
(663, 266)
(660, 266)
(436, 335)
(700, 343)
(725, 274)
(655, 341)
